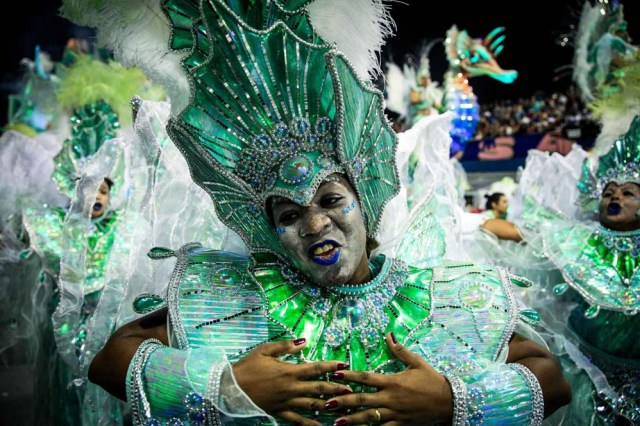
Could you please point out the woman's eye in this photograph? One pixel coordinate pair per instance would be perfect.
(287, 218)
(330, 201)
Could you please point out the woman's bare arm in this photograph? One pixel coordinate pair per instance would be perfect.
(109, 367)
(544, 365)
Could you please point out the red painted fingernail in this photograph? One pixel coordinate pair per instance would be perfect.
(300, 341)
(347, 392)
(342, 366)
(393, 338)
(331, 405)
(341, 422)
(337, 376)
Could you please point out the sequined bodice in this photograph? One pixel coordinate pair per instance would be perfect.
(458, 310)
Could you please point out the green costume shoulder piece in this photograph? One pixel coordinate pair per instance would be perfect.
(600, 264)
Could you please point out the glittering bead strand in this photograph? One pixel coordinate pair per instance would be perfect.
(460, 400)
(171, 383)
(140, 406)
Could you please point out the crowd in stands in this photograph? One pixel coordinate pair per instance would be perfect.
(541, 113)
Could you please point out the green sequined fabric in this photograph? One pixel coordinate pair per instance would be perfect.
(238, 302)
(600, 264)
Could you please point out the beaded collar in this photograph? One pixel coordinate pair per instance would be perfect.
(604, 271)
(341, 323)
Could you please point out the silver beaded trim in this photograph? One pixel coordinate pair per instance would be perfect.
(173, 294)
(213, 381)
(212, 392)
(136, 394)
(460, 400)
(537, 398)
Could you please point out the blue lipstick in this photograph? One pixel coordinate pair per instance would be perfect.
(614, 208)
(327, 258)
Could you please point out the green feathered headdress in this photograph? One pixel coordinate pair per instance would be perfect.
(89, 81)
(621, 164)
(275, 110)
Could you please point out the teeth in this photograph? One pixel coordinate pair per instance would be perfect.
(323, 249)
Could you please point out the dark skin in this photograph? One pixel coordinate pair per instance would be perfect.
(416, 396)
(619, 206)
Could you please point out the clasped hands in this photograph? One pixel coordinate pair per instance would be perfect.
(297, 392)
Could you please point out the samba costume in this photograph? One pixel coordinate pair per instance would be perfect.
(589, 298)
(274, 108)
(96, 95)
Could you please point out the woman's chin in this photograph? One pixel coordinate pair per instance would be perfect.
(328, 275)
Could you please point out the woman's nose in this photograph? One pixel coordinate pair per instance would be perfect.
(315, 224)
(616, 195)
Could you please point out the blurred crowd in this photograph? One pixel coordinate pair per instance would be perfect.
(563, 112)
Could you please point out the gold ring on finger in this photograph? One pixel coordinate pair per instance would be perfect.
(378, 416)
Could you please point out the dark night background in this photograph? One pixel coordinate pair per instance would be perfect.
(531, 28)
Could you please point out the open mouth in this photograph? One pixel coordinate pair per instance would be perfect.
(614, 208)
(97, 207)
(325, 253)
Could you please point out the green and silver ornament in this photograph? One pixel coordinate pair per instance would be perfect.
(91, 126)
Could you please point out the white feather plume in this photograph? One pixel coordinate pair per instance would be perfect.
(396, 93)
(614, 124)
(586, 32)
(358, 28)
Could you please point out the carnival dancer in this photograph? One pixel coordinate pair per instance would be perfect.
(291, 143)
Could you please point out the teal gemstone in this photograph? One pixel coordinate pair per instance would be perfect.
(160, 253)
(227, 276)
(300, 126)
(521, 282)
(560, 289)
(147, 303)
(530, 315)
(351, 313)
(25, 254)
(296, 169)
(326, 162)
(358, 165)
(322, 126)
(281, 131)
(262, 140)
(370, 337)
(334, 336)
(592, 312)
